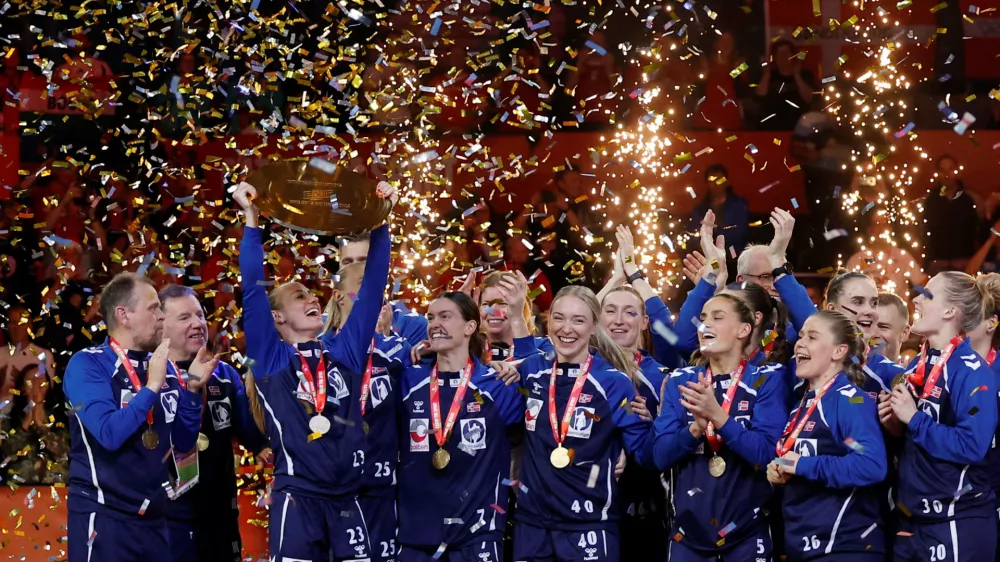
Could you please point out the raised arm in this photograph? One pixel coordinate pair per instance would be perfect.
(793, 294)
(262, 339)
(350, 345)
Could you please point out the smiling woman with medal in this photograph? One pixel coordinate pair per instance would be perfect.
(715, 433)
(578, 420)
(309, 391)
(455, 450)
(946, 411)
(831, 457)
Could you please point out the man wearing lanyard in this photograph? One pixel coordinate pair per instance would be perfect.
(131, 420)
(204, 522)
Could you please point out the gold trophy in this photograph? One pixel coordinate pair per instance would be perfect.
(318, 197)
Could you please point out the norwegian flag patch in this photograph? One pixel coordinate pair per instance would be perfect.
(743, 406)
(586, 398)
(214, 390)
(472, 407)
(810, 426)
(936, 392)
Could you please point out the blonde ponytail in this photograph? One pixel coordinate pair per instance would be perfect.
(254, 401)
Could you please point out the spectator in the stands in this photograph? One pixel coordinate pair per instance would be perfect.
(82, 65)
(520, 94)
(27, 367)
(10, 87)
(732, 215)
(719, 107)
(596, 75)
(952, 223)
(785, 90)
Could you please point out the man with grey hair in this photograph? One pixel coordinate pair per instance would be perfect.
(130, 413)
(204, 524)
(754, 265)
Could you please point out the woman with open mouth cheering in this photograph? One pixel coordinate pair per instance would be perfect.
(831, 456)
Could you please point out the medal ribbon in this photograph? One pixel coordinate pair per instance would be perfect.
(788, 440)
(991, 356)
(367, 379)
(180, 380)
(560, 430)
(714, 439)
(133, 377)
(442, 435)
(916, 379)
(316, 387)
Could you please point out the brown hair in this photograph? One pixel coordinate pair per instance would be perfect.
(895, 301)
(645, 337)
(254, 400)
(962, 291)
(493, 279)
(120, 291)
(989, 286)
(773, 318)
(746, 314)
(846, 332)
(470, 313)
(835, 288)
(600, 340)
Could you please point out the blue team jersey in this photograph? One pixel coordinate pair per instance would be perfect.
(110, 470)
(331, 465)
(642, 491)
(942, 472)
(455, 505)
(503, 352)
(831, 505)
(879, 372)
(703, 504)
(226, 416)
(408, 324)
(381, 413)
(584, 495)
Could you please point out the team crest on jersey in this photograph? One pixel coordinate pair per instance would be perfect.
(379, 389)
(473, 407)
(936, 392)
(806, 447)
(168, 400)
(222, 413)
(214, 390)
(338, 387)
(586, 398)
(531, 413)
(418, 435)
(743, 406)
(126, 397)
(810, 426)
(473, 434)
(930, 408)
(582, 423)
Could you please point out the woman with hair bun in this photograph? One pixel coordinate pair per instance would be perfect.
(456, 415)
(831, 455)
(580, 416)
(946, 410)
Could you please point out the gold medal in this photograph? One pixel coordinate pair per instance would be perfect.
(716, 466)
(440, 459)
(559, 457)
(150, 439)
(364, 426)
(898, 380)
(202, 441)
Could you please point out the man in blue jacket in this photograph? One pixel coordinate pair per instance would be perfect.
(204, 522)
(132, 417)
